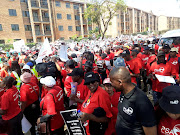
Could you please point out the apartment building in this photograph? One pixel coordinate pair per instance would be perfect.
(34, 20)
(168, 23)
(133, 20)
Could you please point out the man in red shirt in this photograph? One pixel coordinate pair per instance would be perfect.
(161, 67)
(145, 57)
(131, 66)
(81, 90)
(110, 55)
(166, 48)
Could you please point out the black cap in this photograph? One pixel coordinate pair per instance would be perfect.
(146, 48)
(170, 100)
(166, 46)
(136, 51)
(69, 62)
(90, 77)
(73, 55)
(160, 53)
(77, 72)
(88, 64)
(41, 67)
(125, 53)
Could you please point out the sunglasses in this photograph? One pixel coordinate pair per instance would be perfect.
(91, 82)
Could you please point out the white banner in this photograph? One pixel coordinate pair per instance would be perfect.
(18, 45)
(44, 51)
(63, 53)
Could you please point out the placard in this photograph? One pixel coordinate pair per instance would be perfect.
(74, 126)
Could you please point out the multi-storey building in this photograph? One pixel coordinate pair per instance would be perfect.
(34, 20)
(168, 23)
(133, 20)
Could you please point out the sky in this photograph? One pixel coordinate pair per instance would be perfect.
(158, 7)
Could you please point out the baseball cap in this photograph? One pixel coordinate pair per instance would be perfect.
(90, 77)
(73, 55)
(76, 72)
(166, 46)
(170, 100)
(107, 80)
(174, 50)
(26, 67)
(119, 62)
(48, 81)
(88, 64)
(30, 64)
(160, 53)
(69, 62)
(125, 52)
(26, 77)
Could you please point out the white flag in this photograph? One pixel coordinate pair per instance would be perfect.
(44, 51)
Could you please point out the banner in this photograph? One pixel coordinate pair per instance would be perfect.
(44, 51)
(74, 126)
(63, 53)
(18, 45)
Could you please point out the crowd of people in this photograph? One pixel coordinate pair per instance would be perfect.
(109, 85)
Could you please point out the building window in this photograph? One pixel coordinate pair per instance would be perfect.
(29, 40)
(69, 28)
(76, 6)
(12, 12)
(118, 16)
(11, 0)
(77, 17)
(68, 5)
(24, 1)
(78, 28)
(61, 38)
(47, 28)
(60, 27)
(58, 4)
(16, 40)
(1, 27)
(59, 16)
(118, 24)
(69, 16)
(27, 27)
(25, 13)
(15, 27)
(2, 41)
(89, 28)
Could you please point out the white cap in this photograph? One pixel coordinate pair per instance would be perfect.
(48, 81)
(26, 67)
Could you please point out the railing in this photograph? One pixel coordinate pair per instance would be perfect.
(38, 32)
(47, 32)
(45, 19)
(34, 4)
(36, 18)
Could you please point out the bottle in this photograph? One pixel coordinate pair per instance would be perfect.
(73, 90)
(79, 113)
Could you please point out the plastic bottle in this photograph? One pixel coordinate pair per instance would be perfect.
(79, 114)
(73, 90)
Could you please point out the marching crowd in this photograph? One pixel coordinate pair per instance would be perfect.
(109, 86)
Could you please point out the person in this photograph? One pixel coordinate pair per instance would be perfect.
(161, 67)
(97, 99)
(169, 118)
(135, 111)
(81, 89)
(51, 105)
(29, 97)
(10, 109)
(131, 66)
(166, 48)
(114, 96)
(5, 70)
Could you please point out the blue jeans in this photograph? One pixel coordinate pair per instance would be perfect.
(156, 96)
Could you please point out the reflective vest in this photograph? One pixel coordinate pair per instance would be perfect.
(18, 85)
(35, 73)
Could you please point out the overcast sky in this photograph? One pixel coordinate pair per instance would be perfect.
(159, 7)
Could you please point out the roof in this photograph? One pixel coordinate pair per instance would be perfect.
(172, 33)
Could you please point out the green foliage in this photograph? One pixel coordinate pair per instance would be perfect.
(103, 11)
(30, 45)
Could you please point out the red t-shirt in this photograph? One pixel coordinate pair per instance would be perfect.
(9, 102)
(28, 94)
(110, 56)
(34, 79)
(64, 74)
(168, 126)
(1, 93)
(4, 73)
(167, 57)
(52, 105)
(94, 100)
(131, 66)
(67, 85)
(175, 63)
(161, 69)
(81, 93)
(138, 61)
(144, 58)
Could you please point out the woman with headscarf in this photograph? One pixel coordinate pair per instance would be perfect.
(51, 105)
(10, 110)
(96, 106)
(29, 96)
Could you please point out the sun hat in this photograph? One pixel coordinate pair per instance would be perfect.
(107, 81)
(26, 77)
(174, 50)
(26, 67)
(48, 81)
(170, 100)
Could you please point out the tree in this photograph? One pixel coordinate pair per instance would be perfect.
(102, 12)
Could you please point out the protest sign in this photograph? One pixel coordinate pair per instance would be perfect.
(18, 45)
(74, 125)
(63, 53)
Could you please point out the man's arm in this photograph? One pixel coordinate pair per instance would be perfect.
(150, 130)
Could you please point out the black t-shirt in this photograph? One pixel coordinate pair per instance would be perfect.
(134, 111)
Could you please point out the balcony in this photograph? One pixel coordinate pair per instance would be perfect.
(45, 19)
(36, 19)
(35, 4)
(38, 32)
(47, 33)
(44, 5)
